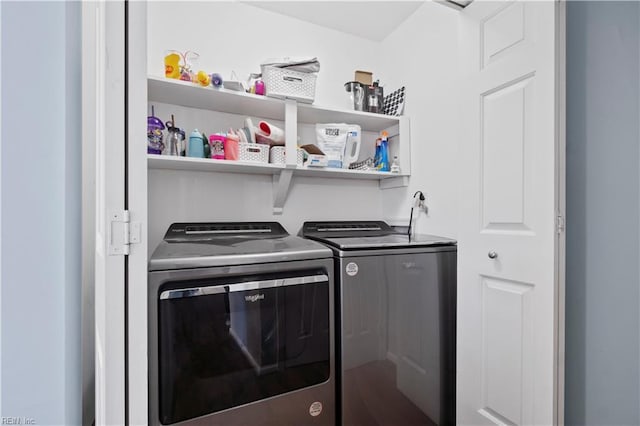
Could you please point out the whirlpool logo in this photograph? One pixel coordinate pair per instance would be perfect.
(254, 297)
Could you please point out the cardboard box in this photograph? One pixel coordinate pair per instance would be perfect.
(364, 77)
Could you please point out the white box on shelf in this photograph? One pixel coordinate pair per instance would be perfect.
(316, 160)
(288, 84)
(253, 152)
(277, 155)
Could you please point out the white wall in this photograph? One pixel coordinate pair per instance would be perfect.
(41, 162)
(230, 36)
(422, 55)
(251, 35)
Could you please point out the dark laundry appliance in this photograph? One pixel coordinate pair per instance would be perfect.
(241, 327)
(396, 323)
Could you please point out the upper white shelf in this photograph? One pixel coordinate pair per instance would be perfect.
(313, 114)
(176, 92)
(184, 93)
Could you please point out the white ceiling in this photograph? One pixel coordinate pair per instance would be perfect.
(373, 20)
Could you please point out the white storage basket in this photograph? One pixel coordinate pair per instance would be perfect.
(284, 83)
(277, 155)
(253, 152)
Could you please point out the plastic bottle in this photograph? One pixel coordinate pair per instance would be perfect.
(155, 138)
(395, 166)
(231, 148)
(196, 147)
(382, 153)
(259, 87)
(182, 144)
(172, 144)
(384, 156)
(206, 147)
(377, 155)
(217, 146)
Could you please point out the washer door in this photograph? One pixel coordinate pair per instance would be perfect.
(224, 344)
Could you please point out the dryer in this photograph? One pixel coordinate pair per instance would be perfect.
(241, 327)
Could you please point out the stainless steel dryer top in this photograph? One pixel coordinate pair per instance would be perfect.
(201, 245)
(363, 235)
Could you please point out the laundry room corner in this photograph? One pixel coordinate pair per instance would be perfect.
(428, 67)
(238, 175)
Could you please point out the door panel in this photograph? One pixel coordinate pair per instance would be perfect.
(507, 341)
(505, 111)
(503, 32)
(506, 302)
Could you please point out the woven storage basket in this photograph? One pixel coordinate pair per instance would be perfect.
(284, 83)
(277, 155)
(253, 152)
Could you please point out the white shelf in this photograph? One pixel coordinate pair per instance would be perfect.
(176, 92)
(166, 162)
(343, 173)
(312, 114)
(184, 93)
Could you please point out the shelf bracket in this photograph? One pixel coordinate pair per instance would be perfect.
(281, 184)
(291, 131)
(394, 182)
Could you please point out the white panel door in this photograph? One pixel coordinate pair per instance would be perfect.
(137, 205)
(507, 257)
(103, 125)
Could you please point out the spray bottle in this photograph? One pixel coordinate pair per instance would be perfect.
(382, 152)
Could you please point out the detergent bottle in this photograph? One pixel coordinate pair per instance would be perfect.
(382, 153)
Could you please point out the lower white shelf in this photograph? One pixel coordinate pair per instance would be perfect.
(344, 173)
(167, 162)
(281, 174)
(225, 166)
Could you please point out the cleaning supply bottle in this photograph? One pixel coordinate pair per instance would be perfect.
(196, 147)
(395, 166)
(382, 153)
(384, 156)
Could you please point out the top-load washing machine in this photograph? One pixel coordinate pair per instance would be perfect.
(241, 327)
(396, 323)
